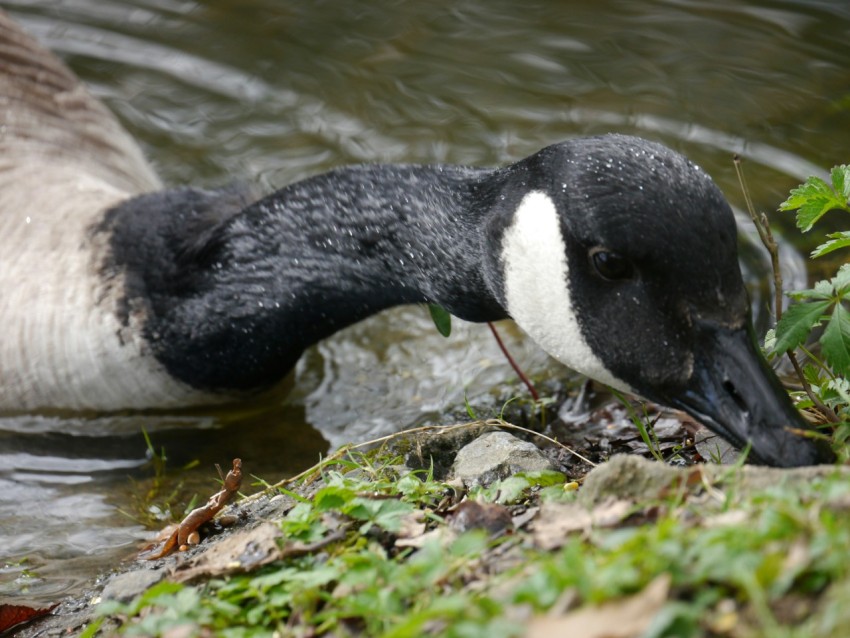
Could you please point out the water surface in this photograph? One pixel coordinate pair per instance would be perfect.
(270, 91)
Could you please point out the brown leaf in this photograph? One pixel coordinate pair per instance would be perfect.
(412, 525)
(442, 535)
(247, 551)
(488, 516)
(727, 518)
(556, 520)
(240, 552)
(11, 615)
(628, 617)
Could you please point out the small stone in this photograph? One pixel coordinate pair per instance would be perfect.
(497, 455)
(125, 587)
(628, 477)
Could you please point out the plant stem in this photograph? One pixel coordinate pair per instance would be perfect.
(766, 236)
(531, 389)
(825, 410)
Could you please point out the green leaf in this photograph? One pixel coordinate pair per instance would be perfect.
(812, 200)
(837, 240)
(441, 318)
(797, 322)
(812, 187)
(386, 513)
(469, 409)
(332, 498)
(823, 289)
(512, 488)
(841, 182)
(841, 282)
(840, 390)
(836, 341)
(92, 628)
(770, 340)
(812, 374)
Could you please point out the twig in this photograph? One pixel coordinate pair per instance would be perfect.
(531, 389)
(828, 413)
(766, 236)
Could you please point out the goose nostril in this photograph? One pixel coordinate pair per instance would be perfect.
(736, 396)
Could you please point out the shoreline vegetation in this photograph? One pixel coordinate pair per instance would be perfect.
(367, 544)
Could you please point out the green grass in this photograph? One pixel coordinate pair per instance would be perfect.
(726, 551)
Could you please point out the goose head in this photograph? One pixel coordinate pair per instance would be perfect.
(619, 257)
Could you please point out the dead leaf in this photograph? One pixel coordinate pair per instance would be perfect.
(242, 551)
(493, 518)
(412, 525)
(12, 615)
(556, 520)
(799, 556)
(247, 551)
(521, 520)
(725, 519)
(611, 512)
(628, 617)
(443, 535)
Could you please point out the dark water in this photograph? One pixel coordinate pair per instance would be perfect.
(271, 91)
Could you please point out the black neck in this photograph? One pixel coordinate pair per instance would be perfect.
(244, 293)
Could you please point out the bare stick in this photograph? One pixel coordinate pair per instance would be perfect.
(766, 236)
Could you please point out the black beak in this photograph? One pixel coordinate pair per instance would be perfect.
(734, 393)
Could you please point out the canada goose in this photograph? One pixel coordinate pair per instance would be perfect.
(616, 254)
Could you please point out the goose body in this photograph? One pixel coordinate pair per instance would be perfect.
(616, 254)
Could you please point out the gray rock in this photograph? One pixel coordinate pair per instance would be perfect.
(637, 478)
(494, 456)
(125, 587)
(627, 477)
(755, 478)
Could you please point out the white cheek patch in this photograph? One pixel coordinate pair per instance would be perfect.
(537, 290)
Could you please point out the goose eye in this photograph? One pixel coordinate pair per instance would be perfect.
(610, 265)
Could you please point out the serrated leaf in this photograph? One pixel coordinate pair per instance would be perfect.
(812, 374)
(813, 210)
(386, 513)
(812, 187)
(841, 387)
(841, 282)
(441, 318)
(332, 497)
(797, 322)
(770, 340)
(836, 341)
(841, 182)
(838, 240)
(812, 200)
(822, 290)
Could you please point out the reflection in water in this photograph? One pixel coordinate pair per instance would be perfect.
(69, 499)
(224, 90)
(376, 379)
